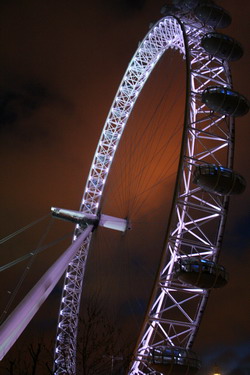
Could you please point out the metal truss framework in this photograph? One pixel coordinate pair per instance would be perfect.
(197, 220)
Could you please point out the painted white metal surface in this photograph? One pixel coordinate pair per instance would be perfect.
(115, 223)
(102, 220)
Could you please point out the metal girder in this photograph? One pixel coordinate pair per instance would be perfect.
(198, 219)
(176, 309)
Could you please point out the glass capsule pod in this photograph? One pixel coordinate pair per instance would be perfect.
(213, 15)
(169, 9)
(201, 273)
(222, 46)
(219, 180)
(173, 360)
(186, 5)
(225, 101)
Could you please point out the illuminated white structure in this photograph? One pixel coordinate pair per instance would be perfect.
(194, 231)
(207, 139)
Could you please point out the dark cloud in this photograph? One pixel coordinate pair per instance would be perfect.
(123, 7)
(241, 229)
(28, 112)
(133, 4)
(228, 360)
(239, 371)
(19, 103)
(128, 4)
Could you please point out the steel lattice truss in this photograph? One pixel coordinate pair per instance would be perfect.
(197, 221)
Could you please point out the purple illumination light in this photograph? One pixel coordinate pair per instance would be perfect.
(15, 324)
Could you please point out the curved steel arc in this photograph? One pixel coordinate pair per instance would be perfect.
(138, 71)
(207, 140)
(193, 216)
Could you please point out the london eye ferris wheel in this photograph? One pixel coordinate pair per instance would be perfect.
(202, 178)
(205, 179)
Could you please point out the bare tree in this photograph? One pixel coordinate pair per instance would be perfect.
(34, 354)
(29, 360)
(100, 349)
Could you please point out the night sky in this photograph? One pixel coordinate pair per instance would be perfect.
(60, 66)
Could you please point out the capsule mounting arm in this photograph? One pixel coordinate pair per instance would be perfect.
(84, 219)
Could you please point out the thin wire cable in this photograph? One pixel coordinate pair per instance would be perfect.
(32, 253)
(123, 182)
(23, 229)
(22, 278)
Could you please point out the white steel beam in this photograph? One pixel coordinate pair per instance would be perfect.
(18, 320)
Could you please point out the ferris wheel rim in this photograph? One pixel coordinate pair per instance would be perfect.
(96, 180)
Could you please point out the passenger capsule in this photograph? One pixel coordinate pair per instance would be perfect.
(169, 9)
(222, 46)
(201, 273)
(213, 15)
(219, 180)
(225, 101)
(173, 360)
(186, 5)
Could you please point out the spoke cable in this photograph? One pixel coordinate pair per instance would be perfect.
(23, 229)
(152, 133)
(133, 148)
(34, 252)
(24, 274)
